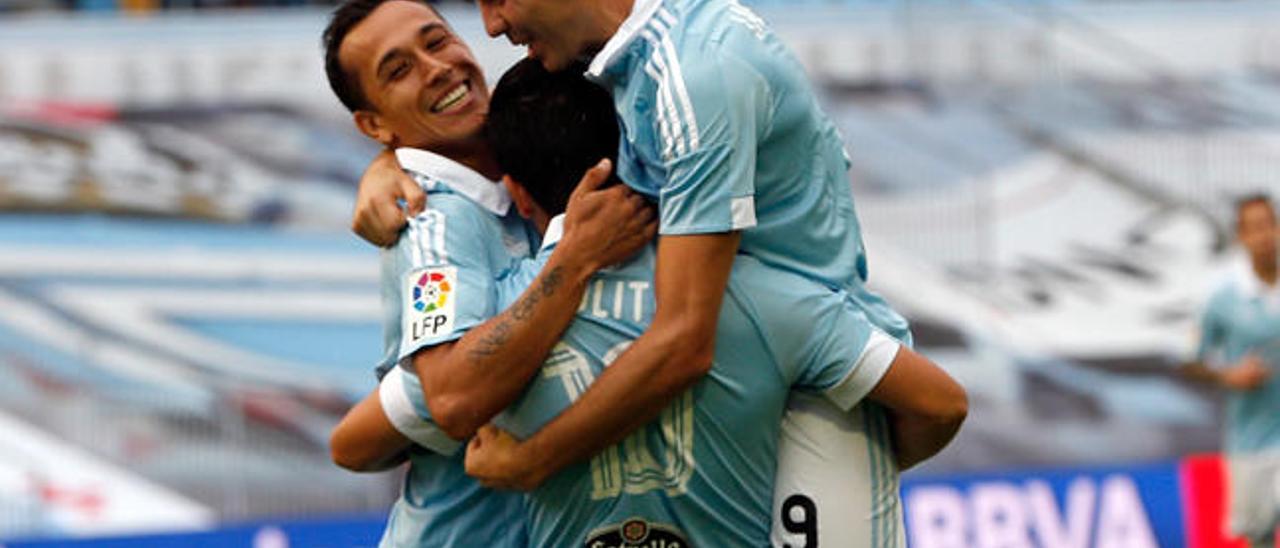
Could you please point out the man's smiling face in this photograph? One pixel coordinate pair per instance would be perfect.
(423, 86)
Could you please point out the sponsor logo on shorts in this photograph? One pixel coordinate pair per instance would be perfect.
(636, 533)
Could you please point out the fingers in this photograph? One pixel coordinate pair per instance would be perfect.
(414, 196)
(594, 177)
(386, 221)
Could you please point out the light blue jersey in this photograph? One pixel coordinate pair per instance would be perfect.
(719, 123)
(438, 281)
(1243, 317)
(703, 473)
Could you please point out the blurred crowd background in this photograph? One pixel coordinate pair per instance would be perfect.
(1046, 188)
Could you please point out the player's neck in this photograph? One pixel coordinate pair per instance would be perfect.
(1266, 269)
(480, 159)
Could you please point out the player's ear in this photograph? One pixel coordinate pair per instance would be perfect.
(520, 197)
(371, 125)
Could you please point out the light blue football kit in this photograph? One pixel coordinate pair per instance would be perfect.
(438, 281)
(1243, 317)
(720, 125)
(703, 473)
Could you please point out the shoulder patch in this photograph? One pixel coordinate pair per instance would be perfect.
(430, 296)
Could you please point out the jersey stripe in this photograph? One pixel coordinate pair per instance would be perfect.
(871, 469)
(415, 250)
(437, 242)
(677, 77)
(673, 96)
(675, 140)
(668, 118)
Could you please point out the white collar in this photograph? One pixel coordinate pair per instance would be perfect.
(555, 231)
(641, 12)
(1247, 281)
(465, 181)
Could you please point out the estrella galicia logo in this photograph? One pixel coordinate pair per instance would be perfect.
(636, 533)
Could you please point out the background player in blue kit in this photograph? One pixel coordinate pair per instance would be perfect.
(1239, 352)
(411, 84)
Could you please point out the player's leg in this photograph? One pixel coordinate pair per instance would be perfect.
(1253, 498)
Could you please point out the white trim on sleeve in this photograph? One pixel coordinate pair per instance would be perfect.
(866, 372)
(393, 395)
(743, 211)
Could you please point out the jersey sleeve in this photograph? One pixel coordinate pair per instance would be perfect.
(708, 120)
(1213, 330)
(821, 341)
(402, 400)
(846, 356)
(445, 280)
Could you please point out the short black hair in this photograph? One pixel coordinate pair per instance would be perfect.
(546, 129)
(1251, 199)
(344, 18)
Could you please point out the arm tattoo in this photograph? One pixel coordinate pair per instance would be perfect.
(521, 311)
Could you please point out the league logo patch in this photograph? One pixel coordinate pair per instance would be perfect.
(431, 291)
(429, 298)
(636, 533)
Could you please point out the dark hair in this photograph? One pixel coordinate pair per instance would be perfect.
(1251, 199)
(546, 129)
(345, 18)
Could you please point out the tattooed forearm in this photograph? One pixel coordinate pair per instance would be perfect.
(493, 340)
(498, 336)
(551, 280)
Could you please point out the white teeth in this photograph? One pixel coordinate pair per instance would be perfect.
(452, 98)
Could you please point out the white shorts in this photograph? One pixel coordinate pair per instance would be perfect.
(1255, 494)
(837, 484)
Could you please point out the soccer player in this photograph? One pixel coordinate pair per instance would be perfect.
(412, 85)
(701, 475)
(1239, 352)
(721, 126)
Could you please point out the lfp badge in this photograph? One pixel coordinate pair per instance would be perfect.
(428, 310)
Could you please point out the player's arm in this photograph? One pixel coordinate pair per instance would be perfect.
(666, 360)
(378, 216)
(709, 156)
(467, 382)
(365, 440)
(1247, 374)
(926, 407)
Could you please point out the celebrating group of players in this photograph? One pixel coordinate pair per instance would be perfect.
(555, 377)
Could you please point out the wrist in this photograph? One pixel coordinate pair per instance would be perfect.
(538, 462)
(576, 266)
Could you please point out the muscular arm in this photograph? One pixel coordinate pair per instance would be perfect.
(469, 381)
(666, 360)
(926, 407)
